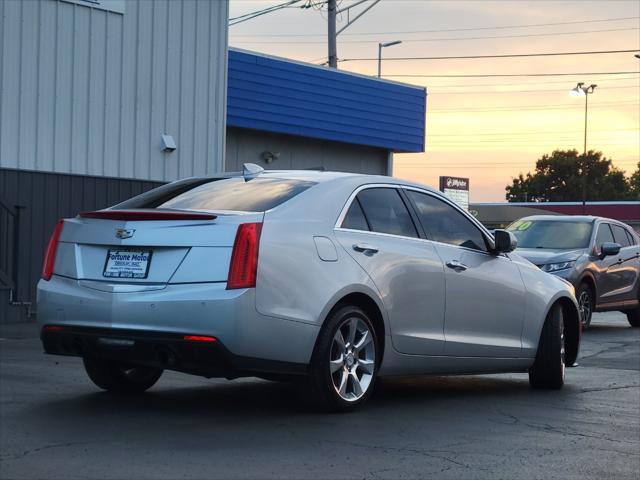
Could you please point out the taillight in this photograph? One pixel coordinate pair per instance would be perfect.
(244, 258)
(50, 253)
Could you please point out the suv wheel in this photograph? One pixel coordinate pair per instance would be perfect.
(634, 317)
(345, 360)
(549, 367)
(120, 377)
(585, 303)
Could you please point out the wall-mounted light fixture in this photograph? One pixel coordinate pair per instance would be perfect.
(269, 157)
(168, 143)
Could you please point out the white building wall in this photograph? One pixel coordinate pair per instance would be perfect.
(89, 91)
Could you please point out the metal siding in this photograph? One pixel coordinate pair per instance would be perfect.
(46, 197)
(301, 153)
(88, 91)
(281, 96)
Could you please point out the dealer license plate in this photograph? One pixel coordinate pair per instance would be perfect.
(127, 264)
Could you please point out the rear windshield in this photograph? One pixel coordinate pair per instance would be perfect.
(552, 234)
(235, 194)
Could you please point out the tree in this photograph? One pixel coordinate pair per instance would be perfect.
(557, 178)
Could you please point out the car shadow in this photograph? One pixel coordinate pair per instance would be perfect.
(252, 399)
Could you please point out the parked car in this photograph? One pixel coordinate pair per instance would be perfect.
(328, 277)
(599, 256)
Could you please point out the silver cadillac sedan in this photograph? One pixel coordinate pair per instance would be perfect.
(330, 278)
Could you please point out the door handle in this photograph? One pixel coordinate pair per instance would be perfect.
(365, 247)
(456, 265)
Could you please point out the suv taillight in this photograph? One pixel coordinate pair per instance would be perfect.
(50, 253)
(244, 258)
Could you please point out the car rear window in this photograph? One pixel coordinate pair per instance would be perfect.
(221, 194)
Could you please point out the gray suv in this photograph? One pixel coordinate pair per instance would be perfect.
(599, 256)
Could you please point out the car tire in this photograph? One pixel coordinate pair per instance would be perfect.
(633, 316)
(548, 369)
(345, 361)
(119, 377)
(586, 304)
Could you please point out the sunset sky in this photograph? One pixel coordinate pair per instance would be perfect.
(492, 128)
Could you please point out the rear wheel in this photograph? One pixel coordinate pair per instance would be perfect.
(345, 360)
(634, 317)
(120, 377)
(585, 303)
(549, 367)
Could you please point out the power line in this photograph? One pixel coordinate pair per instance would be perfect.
(492, 92)
(440, 39)
(560, 132)
(518, 108)
(507, 55)
(502, 84)
(445, 30)
(485, 75)
(258, 13)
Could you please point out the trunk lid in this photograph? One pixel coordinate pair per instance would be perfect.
(149, 247)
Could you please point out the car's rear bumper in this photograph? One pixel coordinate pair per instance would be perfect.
(177, 309)
(194, 354)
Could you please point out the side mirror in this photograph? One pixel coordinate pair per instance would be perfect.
(609, 248)
(505, 241)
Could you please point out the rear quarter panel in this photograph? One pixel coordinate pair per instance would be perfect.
(293, 282)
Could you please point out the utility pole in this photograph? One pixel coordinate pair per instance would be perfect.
(333, 32)
(333, 37)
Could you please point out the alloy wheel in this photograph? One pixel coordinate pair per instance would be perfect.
(584, 303)
(352, 359)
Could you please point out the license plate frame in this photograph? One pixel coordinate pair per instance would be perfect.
(131, 270)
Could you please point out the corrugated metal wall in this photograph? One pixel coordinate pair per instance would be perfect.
(45, 198)
(87, 91)
(283, 96)
(299, 153)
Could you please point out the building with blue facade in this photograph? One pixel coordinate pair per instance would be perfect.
(284, 114)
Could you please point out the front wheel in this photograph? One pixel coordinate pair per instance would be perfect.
(120, 377)
(585, 303)
(634, 317)
(549, 366)
(345, 361)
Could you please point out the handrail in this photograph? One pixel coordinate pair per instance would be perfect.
(10, 279)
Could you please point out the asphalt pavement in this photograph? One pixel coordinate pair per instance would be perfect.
(55, 424)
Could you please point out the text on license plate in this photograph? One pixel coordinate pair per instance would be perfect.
(127, 264)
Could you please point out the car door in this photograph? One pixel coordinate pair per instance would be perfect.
(485, 294)
(378, 232)
(608, 281)
(623, 269)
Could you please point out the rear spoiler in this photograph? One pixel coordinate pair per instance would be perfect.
(139, 215)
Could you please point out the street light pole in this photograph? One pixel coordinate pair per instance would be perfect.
(581, 90)
(380, 47)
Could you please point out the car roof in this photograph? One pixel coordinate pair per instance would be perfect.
(573, 218)
(325, 176)
(562, 218)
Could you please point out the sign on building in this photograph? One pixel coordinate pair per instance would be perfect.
(456, 189)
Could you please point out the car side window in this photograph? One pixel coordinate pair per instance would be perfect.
(604, 235)
(620, 236)
(385, 212)
(355, 219)
(632, 241)
(445, 224)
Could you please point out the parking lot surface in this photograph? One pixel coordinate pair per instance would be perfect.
(55, 424)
